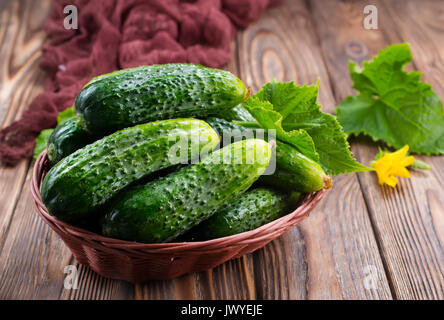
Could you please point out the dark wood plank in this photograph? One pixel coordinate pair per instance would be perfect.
(328, 254)
(405, 219)
(91, 286)
(20, 81)
(231, 280)
(32, 257)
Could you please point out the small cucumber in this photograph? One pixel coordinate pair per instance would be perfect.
(294, 171)
(132, 96)
(238, 113)
(66, 138)
(86, 179)
(165, 208)
(247, 212)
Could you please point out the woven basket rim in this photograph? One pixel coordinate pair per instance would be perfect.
(39, 172)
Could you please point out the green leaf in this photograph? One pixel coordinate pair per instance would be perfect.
(394, 105)
(42, 138)
(41, 142)
(299, 112)
(65, 115)
(268, 119)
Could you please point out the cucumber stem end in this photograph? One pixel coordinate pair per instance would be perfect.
(327, 182)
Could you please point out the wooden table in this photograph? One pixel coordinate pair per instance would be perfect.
(363, 241)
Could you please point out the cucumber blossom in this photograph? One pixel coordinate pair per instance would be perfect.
(86, 179)
(132, 96)
(165, 208)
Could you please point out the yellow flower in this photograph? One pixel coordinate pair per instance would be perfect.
(391, 165)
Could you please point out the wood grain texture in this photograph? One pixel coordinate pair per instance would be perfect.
(328, 255)
(91, 286)
(20, 82)
(231, 280)
(406, 219)
(32, 257)
(361, 242)
(30, 253)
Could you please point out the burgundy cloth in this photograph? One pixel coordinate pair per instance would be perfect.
(117, 34)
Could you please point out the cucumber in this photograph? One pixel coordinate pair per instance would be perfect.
(294, 171)
(132, 96)
(86, 179)
(66, 138)
(247, 212)
(238, 113)
(165, 208)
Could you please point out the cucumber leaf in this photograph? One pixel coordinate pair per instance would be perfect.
(65, 115)
(393, 105)
(298, 111)
(42, 139)
(41, 142)
(268, 119)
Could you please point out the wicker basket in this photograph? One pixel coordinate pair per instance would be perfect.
(138, 262)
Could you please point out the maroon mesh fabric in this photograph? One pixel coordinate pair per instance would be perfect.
(117, 34)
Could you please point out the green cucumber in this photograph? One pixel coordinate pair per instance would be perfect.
(294, 171)
(238, 113)
(66, 138)
(132, 96)
(86, 179)
(165, 208)
(247, 212)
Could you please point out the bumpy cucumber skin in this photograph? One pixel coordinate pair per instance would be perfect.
(65, 139)
(147, 93)
(247, 212)
(220, 125)
(294, 171)
(165, 208)
(80, 183)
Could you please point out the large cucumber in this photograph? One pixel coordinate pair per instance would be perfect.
(89, 177)
(137, 95)
(165, 208)
(246, 212)
(66, 138)
(294, 171)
